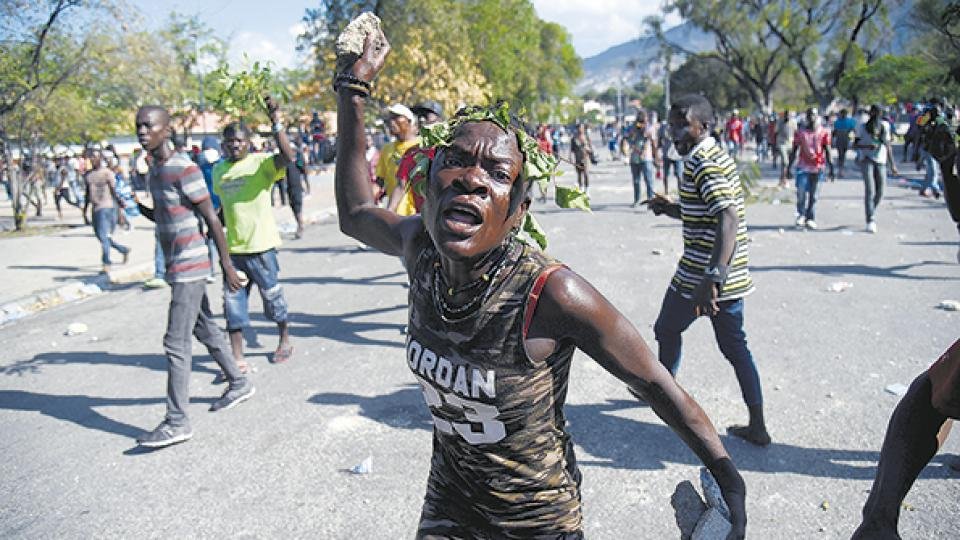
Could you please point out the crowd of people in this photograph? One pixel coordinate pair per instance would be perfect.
(493, 320)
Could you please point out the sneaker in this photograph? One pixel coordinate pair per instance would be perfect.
(872, 227)
(801, 221)
(165, 435)
(155, 283)
(237, 393)
(811, 224)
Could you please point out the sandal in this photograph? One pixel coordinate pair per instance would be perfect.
(281, 355)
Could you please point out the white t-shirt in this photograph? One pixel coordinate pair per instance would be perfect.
(879, 154)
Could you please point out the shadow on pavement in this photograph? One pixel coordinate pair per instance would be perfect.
(338, 328)
(45, 267)
(403, 408)
(156, 362)
(896, 271)
(328, 249)
(75, 409)
(621, 443)
(328, 280)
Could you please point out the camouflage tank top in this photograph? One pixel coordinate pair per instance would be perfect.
(502, 461)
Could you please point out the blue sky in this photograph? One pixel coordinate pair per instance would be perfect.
(267, 30)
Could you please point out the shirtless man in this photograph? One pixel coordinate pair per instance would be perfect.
(493, 327)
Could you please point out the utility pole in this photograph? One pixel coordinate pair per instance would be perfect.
(619, 103)
(666, 84)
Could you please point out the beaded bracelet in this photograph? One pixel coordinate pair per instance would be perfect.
(346, 80)
(355, 87)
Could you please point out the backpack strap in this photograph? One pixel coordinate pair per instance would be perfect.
(534, 296)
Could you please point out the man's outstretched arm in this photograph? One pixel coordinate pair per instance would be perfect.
(571, 309)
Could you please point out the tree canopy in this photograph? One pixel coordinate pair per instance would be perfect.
(504, 51)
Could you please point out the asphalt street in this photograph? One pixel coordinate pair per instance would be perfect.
(278, 465)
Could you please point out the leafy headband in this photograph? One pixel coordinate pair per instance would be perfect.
(538, 166)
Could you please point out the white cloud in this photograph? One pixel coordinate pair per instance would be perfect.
(599, 24)
(259, 47)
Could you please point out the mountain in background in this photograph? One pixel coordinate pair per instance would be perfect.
(639, 58)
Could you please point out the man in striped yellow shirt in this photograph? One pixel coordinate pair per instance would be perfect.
(712, 276)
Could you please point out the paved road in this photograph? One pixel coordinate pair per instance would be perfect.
(275, 466)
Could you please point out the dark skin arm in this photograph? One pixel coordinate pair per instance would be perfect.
(662, 205)
(571, 310)
(287, 154)
(215, 230)
(357, 212)
(86, 202)
(725, 243)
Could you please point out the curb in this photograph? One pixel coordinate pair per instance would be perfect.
(71, 291)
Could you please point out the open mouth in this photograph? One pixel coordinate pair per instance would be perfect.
(460, 217)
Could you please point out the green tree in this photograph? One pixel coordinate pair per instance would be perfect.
(502, 51)
(754, 54)
(822, 37)
(890, 79)
(704, 74)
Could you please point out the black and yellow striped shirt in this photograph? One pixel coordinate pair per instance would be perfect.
(710, 184)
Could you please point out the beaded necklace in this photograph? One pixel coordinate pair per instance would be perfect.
(484, 285)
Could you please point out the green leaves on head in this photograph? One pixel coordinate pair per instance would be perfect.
(571, 197)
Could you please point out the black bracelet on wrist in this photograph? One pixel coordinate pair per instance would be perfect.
(347, 80)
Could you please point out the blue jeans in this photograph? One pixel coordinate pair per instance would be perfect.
(874, 179)
(104, 222)
(262, 269)
(677, 314)
(808, 188)
(644, 168)
(932, 179)
(159, 264)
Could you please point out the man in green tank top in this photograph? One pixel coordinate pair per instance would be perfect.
(493, 326)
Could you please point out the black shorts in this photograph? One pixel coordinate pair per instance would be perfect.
(295, 194)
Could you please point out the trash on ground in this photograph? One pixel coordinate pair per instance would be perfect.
(364, 467)
(839, 286)
(75, 329)
(949, 305)
(656, 252)
(897, 389)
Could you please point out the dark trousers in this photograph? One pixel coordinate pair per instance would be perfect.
(190, 314)
(677, 314)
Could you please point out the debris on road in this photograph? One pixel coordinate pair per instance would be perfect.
(839, 286)
(949, 305)
(656, 252)
(364, 467)
(825, 505)
(76, 328)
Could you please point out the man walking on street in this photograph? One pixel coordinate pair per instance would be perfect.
(813, 143)
(644, 156)
(243, 182)
(712, 278)
(102, 194)
(873, 140)
(786, 129)
(179, 194)
(842, 128)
